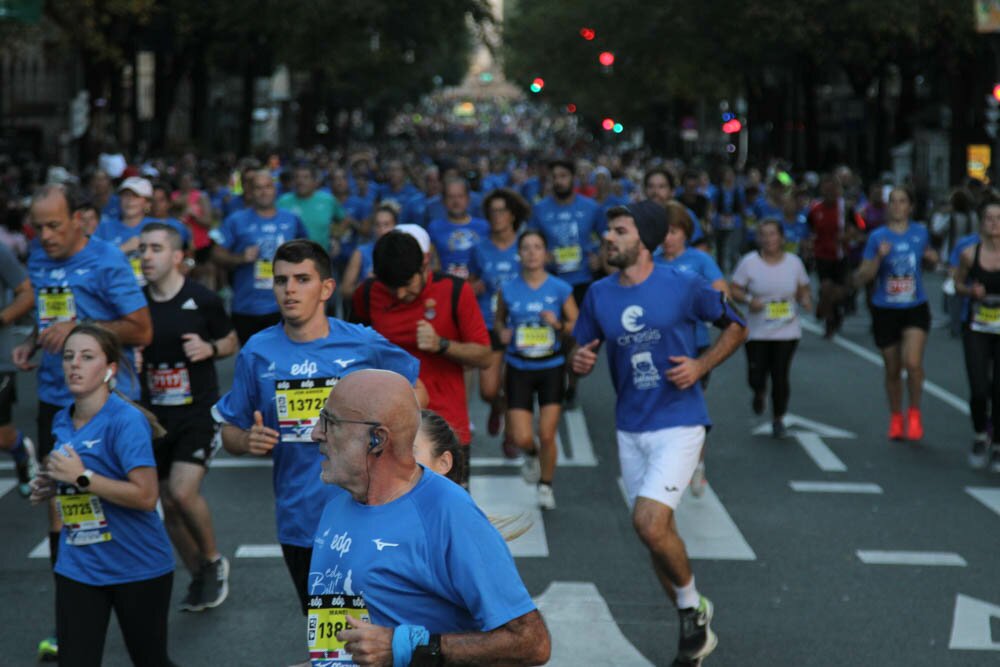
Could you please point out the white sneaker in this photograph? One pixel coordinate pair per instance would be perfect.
(531, 469)
(698, 481)
(546, 497)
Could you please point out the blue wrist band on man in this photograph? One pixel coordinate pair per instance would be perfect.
(405, 638)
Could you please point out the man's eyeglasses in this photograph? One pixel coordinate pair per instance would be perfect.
(327, 420)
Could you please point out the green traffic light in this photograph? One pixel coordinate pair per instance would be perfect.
(535, 88)
(618, 128)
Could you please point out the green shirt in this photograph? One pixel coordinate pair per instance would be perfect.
(316, 213)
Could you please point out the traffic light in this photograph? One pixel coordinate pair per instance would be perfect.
(537, 84)
(571, 108)
(608, 124)
(588, 34)
(618, 128)
(606, 58)
(732, 126)
(992, 112)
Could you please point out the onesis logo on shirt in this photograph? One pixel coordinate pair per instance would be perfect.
(630, 319)
(307, 368)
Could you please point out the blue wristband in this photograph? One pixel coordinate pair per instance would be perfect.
(405, 638)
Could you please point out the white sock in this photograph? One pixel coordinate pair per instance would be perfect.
(687, 596)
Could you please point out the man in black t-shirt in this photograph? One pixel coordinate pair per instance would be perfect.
(190, 330)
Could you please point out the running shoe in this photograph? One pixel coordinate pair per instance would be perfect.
(546, 497)
(27, 468)
(758, 403)
(493, 423)
(896, 426)
(778, 429)
(914, 424)
(48, 649)
(698, 481)
(531, 469)
(979, 457)
(215, 583)
(697, 639)
(995, 458)
(192, 600)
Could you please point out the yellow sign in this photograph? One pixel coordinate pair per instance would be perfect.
(978, 161)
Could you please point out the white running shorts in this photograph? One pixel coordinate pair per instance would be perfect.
(658, 464)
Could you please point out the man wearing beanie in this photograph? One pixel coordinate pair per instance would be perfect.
(647, 314)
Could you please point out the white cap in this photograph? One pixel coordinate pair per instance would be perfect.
(138, 185)
(417, 232)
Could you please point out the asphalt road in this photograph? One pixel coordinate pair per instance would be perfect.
(895, 565)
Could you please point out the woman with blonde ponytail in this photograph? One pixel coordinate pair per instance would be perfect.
(114, 552)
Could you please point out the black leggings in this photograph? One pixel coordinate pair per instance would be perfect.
(83, 612)
(982, 364)
(771, 358)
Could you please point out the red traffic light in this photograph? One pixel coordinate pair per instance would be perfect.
(732, 126)
(571, 108)
(608, 124)
(588, 34)
(539, 81)
(606, 58)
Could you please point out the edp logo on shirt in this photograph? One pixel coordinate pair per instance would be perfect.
(307, 368)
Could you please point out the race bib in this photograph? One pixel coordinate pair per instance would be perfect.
(568, 258)
(986, 316)
(263, 274)
(56, 304)
(136, 264)
(778, 311)
(901, 289)
(298, 403)
(169, 386)
(534, 340)
(326, 617)
(83, 517)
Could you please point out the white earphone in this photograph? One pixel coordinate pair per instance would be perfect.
(107, 376)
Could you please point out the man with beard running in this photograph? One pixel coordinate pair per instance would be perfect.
(647, 315)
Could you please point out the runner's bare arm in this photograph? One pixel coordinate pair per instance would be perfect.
(136, 328)
(523, 641)
(24, 301)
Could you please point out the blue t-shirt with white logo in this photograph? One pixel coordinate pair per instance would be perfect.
(114, 442)
(252, 283)
(494, 266)
(899, 282)
(701, 263)
(454, 243)
(534, 345)
(289, 383)
(96, 284)
(430, 558)
(367, 263)
(643, 326)
(573, 232)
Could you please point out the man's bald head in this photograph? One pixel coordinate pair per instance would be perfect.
(385, 397)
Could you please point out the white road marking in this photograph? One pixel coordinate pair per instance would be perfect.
(987, 496)
(835, 487)
(970, 625)
(931, 558)
(572, 608)
(506, 497)
(708, 531)
(819, 428)
(258, 551)
(40, 551)
(929, 387)
(6, 485)
(817, 450)
(579, 437)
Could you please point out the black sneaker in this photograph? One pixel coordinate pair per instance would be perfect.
(697, 639)
(758, 403)
(979, 456)
(192, 601)
(215, 586)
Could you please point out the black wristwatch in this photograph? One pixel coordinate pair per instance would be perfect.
(443, 344)
(429, 654)
(83, 481)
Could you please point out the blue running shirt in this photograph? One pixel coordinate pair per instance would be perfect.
(534, 345)
(132, 544)
(97, 284)
(899, 282)
(494, 267)
(643, 325)
(430, 558)
(454, 243)
(572, 232)
(252, 283)
(289, 383)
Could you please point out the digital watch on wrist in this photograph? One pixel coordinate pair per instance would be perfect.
(83, 481)
(429, 654)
